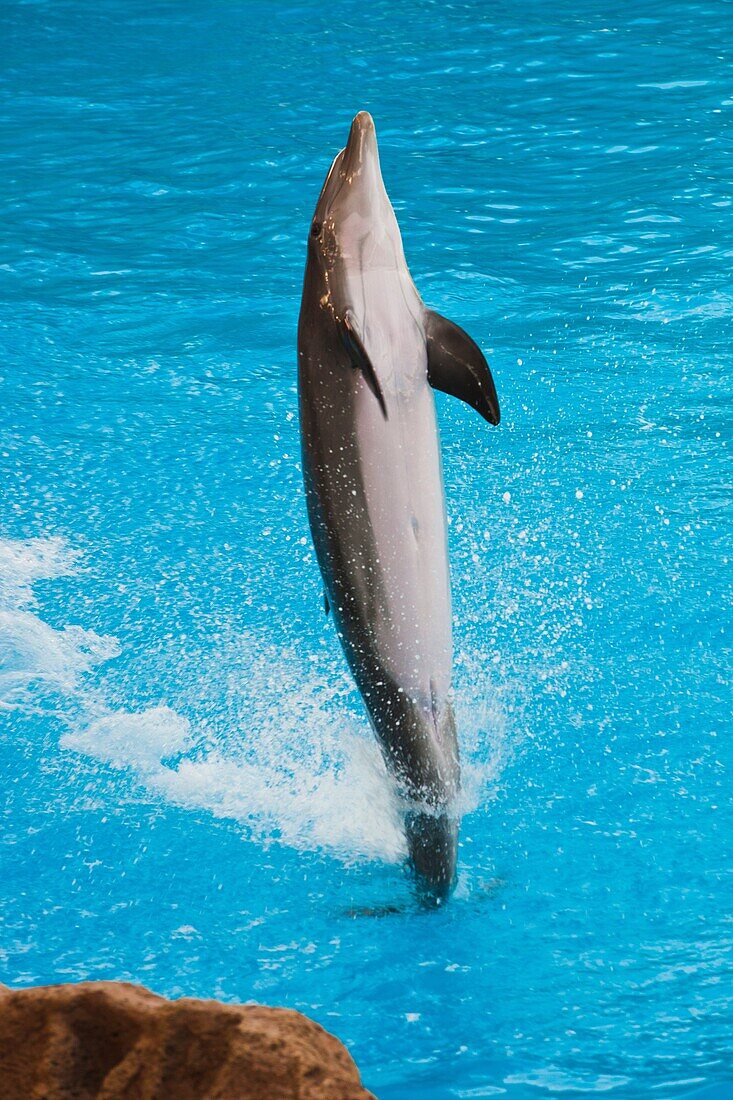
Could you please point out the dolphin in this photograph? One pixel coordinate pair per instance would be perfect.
(369, 355)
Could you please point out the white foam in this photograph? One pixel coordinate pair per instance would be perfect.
(351, 811)
(25, 561)
(291, 756)
(132, 740)
(300, 772)
(35, 658)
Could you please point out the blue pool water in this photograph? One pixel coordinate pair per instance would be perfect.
(191, 796)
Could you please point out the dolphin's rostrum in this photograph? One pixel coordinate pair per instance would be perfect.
(369, 352)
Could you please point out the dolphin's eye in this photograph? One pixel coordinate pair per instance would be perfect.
(316, 229)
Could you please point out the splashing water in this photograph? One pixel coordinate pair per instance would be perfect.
(296, 766)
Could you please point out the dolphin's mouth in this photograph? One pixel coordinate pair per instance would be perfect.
(361, 148)
(358, 160)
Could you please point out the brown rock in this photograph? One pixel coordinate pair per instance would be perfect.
(114, 1041)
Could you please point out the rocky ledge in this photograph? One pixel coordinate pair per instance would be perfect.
(114, 1041)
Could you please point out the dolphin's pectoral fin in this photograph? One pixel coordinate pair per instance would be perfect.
(354, 344)
(456, 365)
(326, 604)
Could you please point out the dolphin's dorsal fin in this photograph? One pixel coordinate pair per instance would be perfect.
(456, 365)
(352, 340)
(326, 604)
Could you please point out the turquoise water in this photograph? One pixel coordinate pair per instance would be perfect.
(191, 796)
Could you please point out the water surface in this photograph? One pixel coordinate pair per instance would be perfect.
(191, 795)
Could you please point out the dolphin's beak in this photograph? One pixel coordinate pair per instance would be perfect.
(361, 149)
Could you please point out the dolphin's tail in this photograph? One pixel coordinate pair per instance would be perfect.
(420, 745)
(431, 826)
(432, 842)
